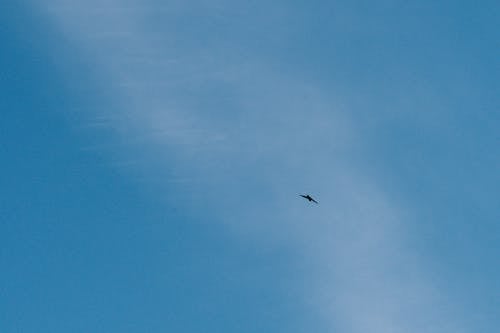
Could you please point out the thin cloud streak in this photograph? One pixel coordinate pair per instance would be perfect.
(278, 133)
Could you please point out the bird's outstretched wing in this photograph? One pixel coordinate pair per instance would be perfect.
(308, 197)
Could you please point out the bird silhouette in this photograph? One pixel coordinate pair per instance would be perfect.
(308, 197)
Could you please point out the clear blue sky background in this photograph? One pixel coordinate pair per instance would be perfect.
(152, 153)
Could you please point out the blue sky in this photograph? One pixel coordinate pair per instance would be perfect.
(153, 152)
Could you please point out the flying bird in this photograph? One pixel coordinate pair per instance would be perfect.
(308, 197)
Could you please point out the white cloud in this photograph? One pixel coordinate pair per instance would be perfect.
(242, 124)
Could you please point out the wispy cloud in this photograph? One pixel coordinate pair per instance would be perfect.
(233, 118)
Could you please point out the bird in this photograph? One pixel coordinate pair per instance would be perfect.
(308, 197)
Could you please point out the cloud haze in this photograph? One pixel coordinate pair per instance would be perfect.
(214, 107)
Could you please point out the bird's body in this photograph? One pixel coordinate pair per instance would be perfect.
(309, 198)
